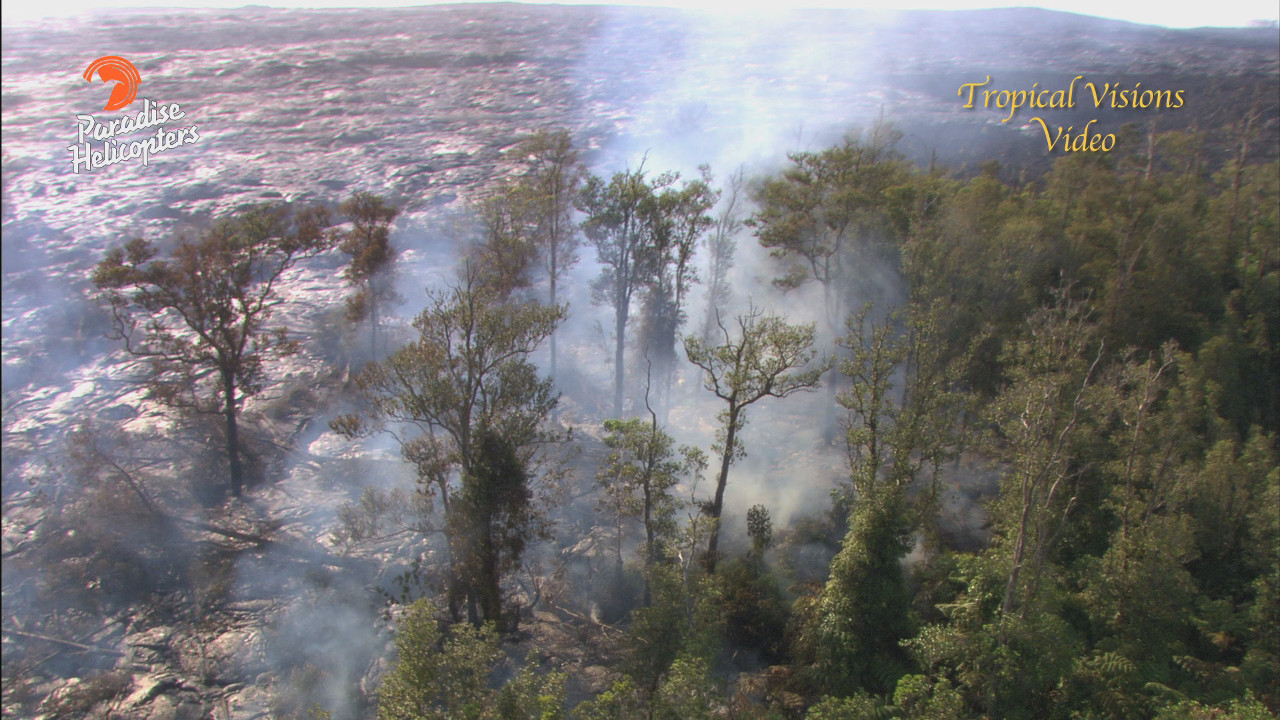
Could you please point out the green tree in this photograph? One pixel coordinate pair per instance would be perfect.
(438, 675)
(858, 707)
(681, 221)
(899, 401)
(681, 626)
(552, 179)
(687, 692)
(445, 674)
(478, 407)
(1038, 425)
(642, 469)
(530, 696)
(767, 358)
(621, 701)
(823, 215)
(1139, 590)
(917, 698)
(899, 424)
(852, 632)
(206, 309)
(760, 530)
(1248, 708)
(372, 268)
(1004, 665)
(683, 622)
(622, 224)
(505, 255)
(491, 521)
(1241, 360)
(830, 216)
(755, 609)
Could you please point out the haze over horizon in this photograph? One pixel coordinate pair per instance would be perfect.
(1228, 13)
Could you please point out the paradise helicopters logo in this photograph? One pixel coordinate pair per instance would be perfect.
(89, 129)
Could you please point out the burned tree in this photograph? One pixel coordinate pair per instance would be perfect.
(767, 359)
(205, 309)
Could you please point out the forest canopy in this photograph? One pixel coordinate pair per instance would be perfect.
(1102, 339)
(1100, 343)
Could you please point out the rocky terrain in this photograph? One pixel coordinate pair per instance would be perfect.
(418, 105)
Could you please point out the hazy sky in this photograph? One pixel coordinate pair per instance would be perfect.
(1170, 14)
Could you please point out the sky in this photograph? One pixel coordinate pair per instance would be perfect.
(1220, 13)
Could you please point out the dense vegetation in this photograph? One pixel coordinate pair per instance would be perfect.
(1103, 339)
